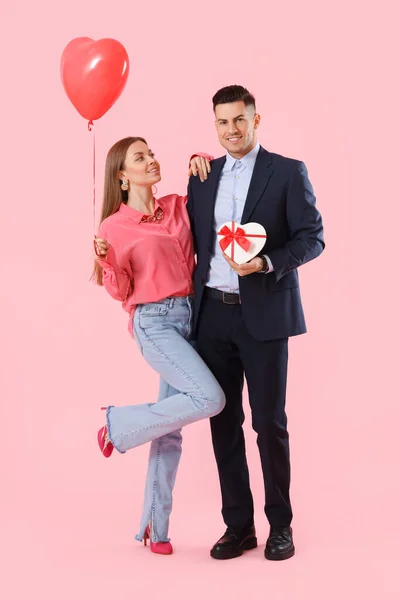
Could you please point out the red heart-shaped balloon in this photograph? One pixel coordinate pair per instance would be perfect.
(94, 74)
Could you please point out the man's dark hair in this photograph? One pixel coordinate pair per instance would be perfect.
(234, 93)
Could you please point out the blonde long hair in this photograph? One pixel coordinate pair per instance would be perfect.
(113, 196)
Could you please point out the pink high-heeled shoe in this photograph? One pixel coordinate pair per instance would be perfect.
(105, 444)
(157, 547)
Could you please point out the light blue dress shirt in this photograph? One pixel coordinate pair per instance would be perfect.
(231, 197)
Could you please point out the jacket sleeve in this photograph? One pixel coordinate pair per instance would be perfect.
(190, 209)
(204, 155)
(304, 223)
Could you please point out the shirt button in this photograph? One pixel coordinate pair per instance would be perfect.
(235, 198)
(237, 177)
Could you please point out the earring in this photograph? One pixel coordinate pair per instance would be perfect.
(125, 185)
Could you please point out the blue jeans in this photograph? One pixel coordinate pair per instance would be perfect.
(188, 392)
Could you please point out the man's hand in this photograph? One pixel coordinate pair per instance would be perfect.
(200, 166)
(253, 266)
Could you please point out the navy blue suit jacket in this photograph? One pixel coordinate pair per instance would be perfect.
(280, 198)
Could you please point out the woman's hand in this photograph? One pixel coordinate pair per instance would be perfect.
(101, 247)
(200, 166)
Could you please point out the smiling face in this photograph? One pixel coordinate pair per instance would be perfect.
(141, 168)
(236, 126)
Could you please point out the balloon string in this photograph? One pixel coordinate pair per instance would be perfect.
(91, 128)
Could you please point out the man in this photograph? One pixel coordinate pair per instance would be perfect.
(244, 315)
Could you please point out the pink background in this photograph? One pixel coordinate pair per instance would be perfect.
(325, 77)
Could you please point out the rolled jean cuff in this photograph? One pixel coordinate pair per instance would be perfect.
(110, 431)
(139, 537)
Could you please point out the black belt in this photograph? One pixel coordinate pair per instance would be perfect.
(225, 297)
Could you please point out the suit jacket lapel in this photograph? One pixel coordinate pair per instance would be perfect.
(261, 175)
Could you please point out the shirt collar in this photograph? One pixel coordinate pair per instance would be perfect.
(249, 160)
(133, 214)
(230, 161)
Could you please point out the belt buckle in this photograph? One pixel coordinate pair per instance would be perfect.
(224, 294)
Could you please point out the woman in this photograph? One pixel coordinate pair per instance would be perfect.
(145, 259)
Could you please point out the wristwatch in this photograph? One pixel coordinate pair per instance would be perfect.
(265, 266)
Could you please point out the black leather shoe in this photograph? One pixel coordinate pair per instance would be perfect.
(234, 542)
(279, 544)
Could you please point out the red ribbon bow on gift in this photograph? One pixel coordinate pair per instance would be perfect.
(238, 236)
